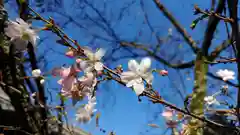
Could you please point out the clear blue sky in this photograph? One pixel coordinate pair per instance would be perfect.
(119, 107)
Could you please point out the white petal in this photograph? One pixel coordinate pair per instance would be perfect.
(33, 37)
(98, 66)
(130, 83)
(36, 72)
(99, 54)
(13, 30)
(83, 65)
(138, 88)
(145, 64)
(88, 52)
(148, 77)
(133, 65)
(127, 76)
(42, 81)
(22, 22)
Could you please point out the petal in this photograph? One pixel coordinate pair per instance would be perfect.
(33, 39)
(99, 54)
(13, 30)
(22, 22)
(133, 65)
(138, 88)
(88, 79)
(68, 83)
(88, 52)
(148, 77)
(83, 65)
(98, 66)
(70, 53)
(130, 83)
(127, 76)
(65, 72)
(145, 64)
(60, 81)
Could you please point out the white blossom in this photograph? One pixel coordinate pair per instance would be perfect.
(93, 61)
(42, 81)
(211, 100)
(137, 72)
(226, 74)
(21, 33)
(36, 72)
(84, 114)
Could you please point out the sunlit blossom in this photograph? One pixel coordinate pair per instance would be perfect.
(163, 72)
(137, 72)
(36, 72)
(84, 114)
(42, 81)
(226, 74)
(20, 32)
(210, 100)
(168, 114)
(93, 61)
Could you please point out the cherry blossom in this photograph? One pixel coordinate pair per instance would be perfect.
(36, 72)
(93, 61)
(137, 72)
(70, 53)
(87, 82)
(20, 32)
(67, 80)
(170, 118)
(168, 114)
(210, 100)
(163, 72)
(42, 81)
(84, 114)
(226, 74)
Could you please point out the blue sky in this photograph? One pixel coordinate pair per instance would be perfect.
(119, 108)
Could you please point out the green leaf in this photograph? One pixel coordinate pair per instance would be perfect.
(21, 1)
(193, 25)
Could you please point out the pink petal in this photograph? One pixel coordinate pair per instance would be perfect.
(70, 53)
(163, 72)
(78, 60)
(65, 72)
(167, 114)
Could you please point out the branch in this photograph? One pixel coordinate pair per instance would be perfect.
(157, 99)
(179, 28)
(214, 54)
(211, 13)
(212, 25)
(233, 11)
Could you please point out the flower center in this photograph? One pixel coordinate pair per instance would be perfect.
(25, 36)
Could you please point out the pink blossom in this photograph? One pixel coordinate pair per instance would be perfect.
(70, 53)
(65, 72)
(163, 72)
(88, 80)
(167, 114)
(78, 61)
(67, 83)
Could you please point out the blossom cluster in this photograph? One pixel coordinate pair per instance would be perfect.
(138, 77)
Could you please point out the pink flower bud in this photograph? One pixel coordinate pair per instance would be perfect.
(69, 53)
(163, 72)
(78, 60)
(99, 73)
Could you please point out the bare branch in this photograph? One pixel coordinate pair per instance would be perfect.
(179, 28)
